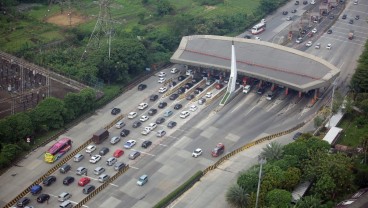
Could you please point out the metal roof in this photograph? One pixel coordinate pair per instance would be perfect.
(263, 60)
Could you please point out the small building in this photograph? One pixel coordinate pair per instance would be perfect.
(300, 191)
(332, 135)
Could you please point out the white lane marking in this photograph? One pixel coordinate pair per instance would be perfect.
(96, 179)
(145, 153)
(52, 195)
(133, 167)
(163, 145)
(114, 185)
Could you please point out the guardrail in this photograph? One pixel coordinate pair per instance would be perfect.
(215, 97)
(57, 166)
(176, 87)
(196, 98)
(191, 89)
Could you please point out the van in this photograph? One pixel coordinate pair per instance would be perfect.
(64, 196)
(111, 161)
(66, 204)
(174, 70)
(65, 168)
(81, 171)
(78, 157)
(102, 178)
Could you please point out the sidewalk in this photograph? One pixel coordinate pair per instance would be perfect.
(211, 189)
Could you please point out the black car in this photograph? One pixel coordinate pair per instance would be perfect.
(49, 180)
(261, 91)
(190, 97)
(181, 78)
(297, 135)
(178, 106)
(171, 124)
(153, 97)
(293, 11)
(357, 17)
(329, 31)
(103, 151)
(68, 180)
(305, 2)
(115, 111)
(124, 132)
(137, 124)
(188, 85)
(331, 16)
(160, 120)
(198, 90)
(42, 198)
(152, 111)
(351, 21)
(23, 202)
(181, 90)
(285, 12)
(162, 105)
(146, 144)
(173, 96)
(247, 37)
(296, 2)
(142, 87)
(344, 16)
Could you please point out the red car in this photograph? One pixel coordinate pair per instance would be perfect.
(219, 86)
(118, 153)
(83, 181)
(218, 150)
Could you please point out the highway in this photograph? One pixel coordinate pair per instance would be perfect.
(168, 163)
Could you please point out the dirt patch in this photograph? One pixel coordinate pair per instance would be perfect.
(67, 20)
(209, 8)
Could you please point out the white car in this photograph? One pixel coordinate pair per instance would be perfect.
(132, 115)
(162, 74)
(144, 118)
(314, 30)
(197, 152)
(193, 108)
(257, 38)
(162, 89)
(329, 46)
(95, 158)
(317, 46)
(308, 44)
(184, 114)
(142, 106)
(209, 94)
(152, 125)
(120, 124)
(146, 131)
(288, 18)
(161, 80)
(90, 148)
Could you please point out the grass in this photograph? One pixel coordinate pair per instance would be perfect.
(352, 135)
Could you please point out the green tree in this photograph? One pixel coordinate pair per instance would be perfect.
(298, 148)
(315, 144)
(49, 114)
(309, 202)
(248, 180)
(273, 151)
(288, 161)
(16, 127)
(10, 151)
(292, 178)
(278, 198)
(325, 187)
(73, 105)
(318, 121)
(274, 177)
(237, 196)
(164, 7)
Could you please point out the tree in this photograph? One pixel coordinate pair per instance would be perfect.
(315, 144)
(325, 187)
(274, 177)
(237, 196)
(49, 114)
(318, 121)
(278, 198)
(164, 8)
(10, 151)
(309, 202)
(249, 180)
(288, 161)
(292, 178)
(364, 144)
(298, 148)
(273, 151)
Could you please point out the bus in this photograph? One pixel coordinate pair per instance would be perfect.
(58, 149)
(260, 27)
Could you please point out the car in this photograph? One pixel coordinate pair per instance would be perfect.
(198, 90)
(257, 38)
(181, 78)
(114, 140)
(178, 106)
(351, 21)
(160, 120)
(119, 165)
(144, 118)
(188, 85)
(161, 133)
(136, 124)
(293, 11)
(36, 189)
(344, 16)
(168, 113)
(184, 114)
(314, 30)
(299, 40)
(317, 46)
(161, 80)
(296, 2)
(142, 106)
(23, 202)
(124, 132)
(190, 97)
(162, 89)
(247, 36)
(174, 70)
(162, 105)
(152, 111)
(120, 124)
(218, 150)
(153, 97)
(118, 153)
(270, 96)
(197, 152)
(181, 90)
(90, 148)
(142, 87)
(95, 158)
(98, 170)
(285, 12)
(329, 46)
(209, 94)
(152, 126)
(129, 144)
(146, 144)
(68, 180)
(297, 135)
(115, 111)
(84, 181)
(305, 2)
(81, 171)
(88, 189)
(65, 168)
(173, 96)
(146, 131)
(142, 180)
(132, 115)
(329, 31)
(193, 108)
(355, 2)
(78, 157)
(331, 16)
(42, 198)
(49, 180)
(111, 161)
(103, 151)
(357, 17)
(261, 90)
(171, 124)
(134, 155)
(308, 44)
(161, 74)
(288, 18)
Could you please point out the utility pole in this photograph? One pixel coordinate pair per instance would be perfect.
(261, 161)
(332, 101)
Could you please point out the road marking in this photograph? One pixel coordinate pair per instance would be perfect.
(145, 153)
(163, 145)
(52, 195)
(114, 185)
(77, 203)
(96, 179)
(133, 167)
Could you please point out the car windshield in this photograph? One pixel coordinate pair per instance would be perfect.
(197, 151)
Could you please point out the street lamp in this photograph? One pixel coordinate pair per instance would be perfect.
(332, 100)
(261, 161)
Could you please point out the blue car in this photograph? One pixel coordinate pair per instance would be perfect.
(129, 144)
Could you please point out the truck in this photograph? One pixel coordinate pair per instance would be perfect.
(351, 35)
(100, 136)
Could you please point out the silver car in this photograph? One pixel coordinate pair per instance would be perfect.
(134, 155)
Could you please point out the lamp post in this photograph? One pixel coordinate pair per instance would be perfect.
(332, 100)
(261, 162)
